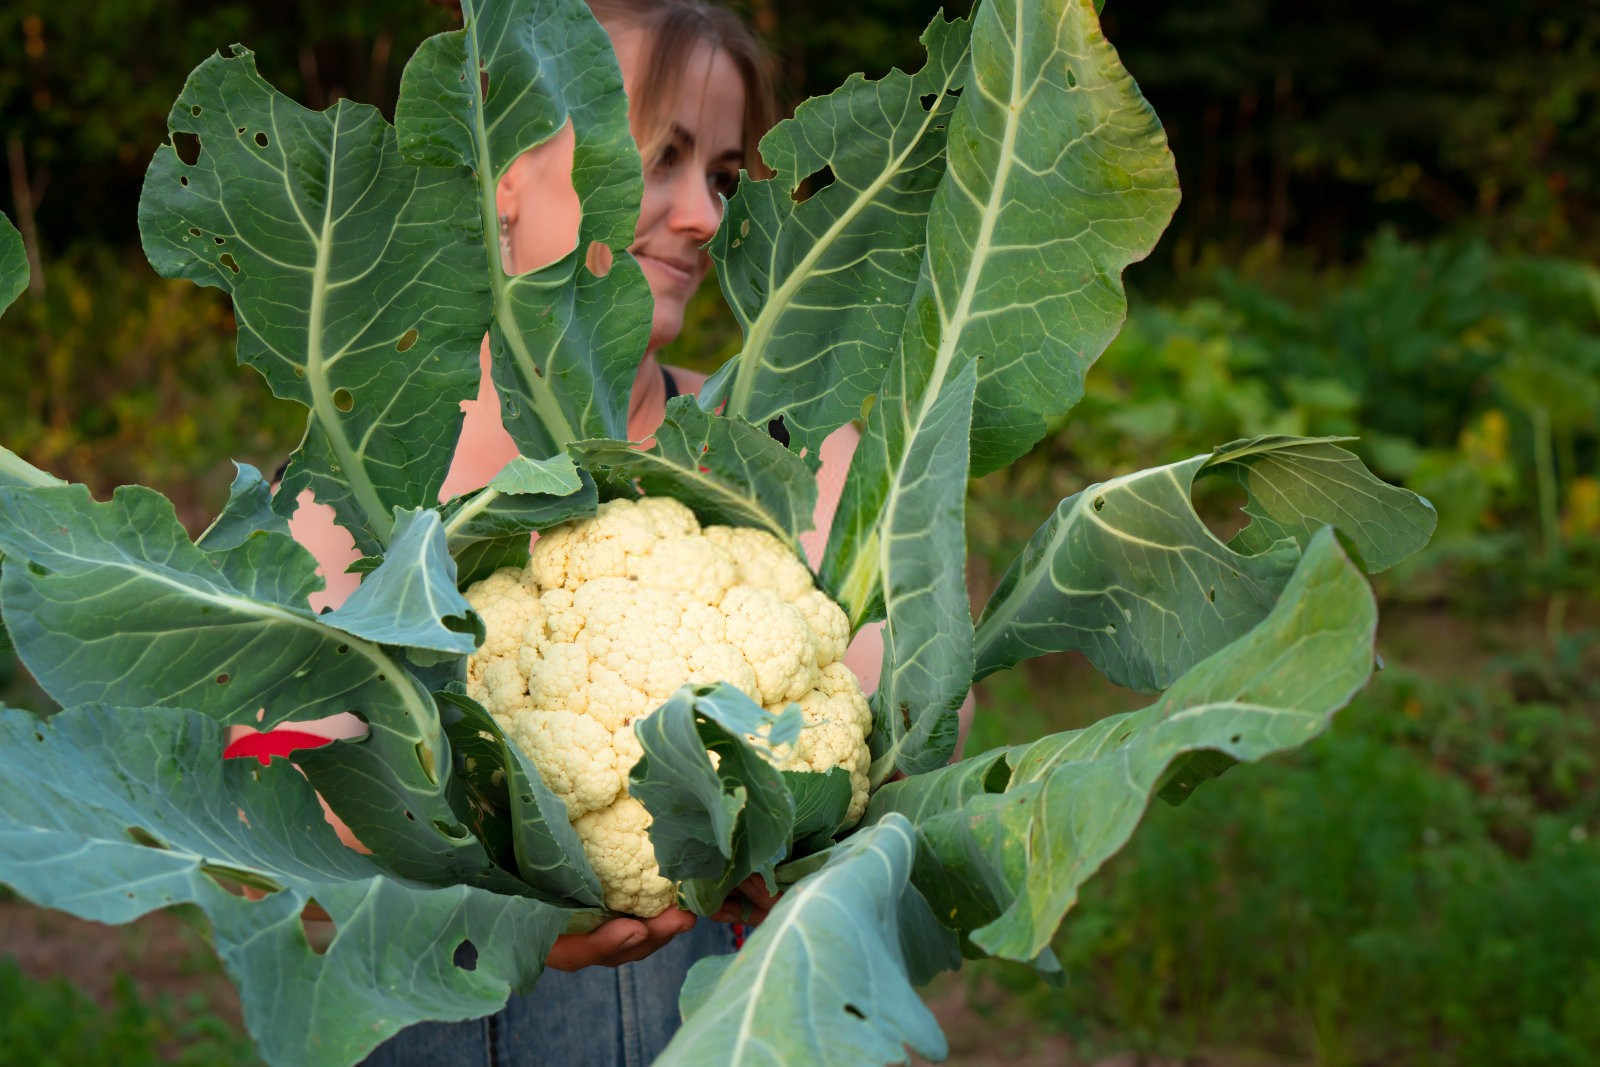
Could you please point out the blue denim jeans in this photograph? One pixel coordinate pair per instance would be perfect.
(597, 1017)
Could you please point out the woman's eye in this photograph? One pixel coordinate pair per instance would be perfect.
(724, 182)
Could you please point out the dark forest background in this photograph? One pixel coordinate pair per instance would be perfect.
(1310, 123)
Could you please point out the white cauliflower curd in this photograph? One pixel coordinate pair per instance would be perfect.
(614, 613)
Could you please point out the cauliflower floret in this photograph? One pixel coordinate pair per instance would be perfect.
(837, 722)
(575, 757)
(610, 617)
(617, 842)
(775, 640)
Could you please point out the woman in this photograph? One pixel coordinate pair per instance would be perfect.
(699, 101)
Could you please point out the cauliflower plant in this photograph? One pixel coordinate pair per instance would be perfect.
(614, 613)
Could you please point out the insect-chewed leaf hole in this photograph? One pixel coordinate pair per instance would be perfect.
(261, 139)
(465, 956)
(1234, 740)
(407, 339)
(344, 400)
(195, 111)
(1099, 503)
(140, 836)
(851, 1009)
(187, 145)
(224, 678)
(227, 260)
(928, 100)
(453, 830)
(194, 231)
(1072, 79)
(183, 180)
(813, 184)
(317, 925)
(598, 259)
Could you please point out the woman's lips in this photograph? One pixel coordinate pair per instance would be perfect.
(676, 271)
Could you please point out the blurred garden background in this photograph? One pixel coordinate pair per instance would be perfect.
(1389, 227)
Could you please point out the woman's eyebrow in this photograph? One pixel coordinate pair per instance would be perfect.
(685, 139)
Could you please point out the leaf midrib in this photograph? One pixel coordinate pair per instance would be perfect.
(327, 413)
(761, 330)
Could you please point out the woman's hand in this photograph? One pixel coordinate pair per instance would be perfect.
(748, 903)
(618, 941)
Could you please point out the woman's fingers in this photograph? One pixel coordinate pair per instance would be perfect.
(748, 903)
(617, 941)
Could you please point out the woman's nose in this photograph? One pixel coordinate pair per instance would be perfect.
(696, 210)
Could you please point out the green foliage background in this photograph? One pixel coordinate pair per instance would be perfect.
(1386, 221)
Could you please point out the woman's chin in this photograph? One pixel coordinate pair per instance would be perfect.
(665, 325)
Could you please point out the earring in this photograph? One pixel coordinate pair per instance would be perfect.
(505, 244)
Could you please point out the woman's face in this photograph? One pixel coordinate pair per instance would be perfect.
(697, 163)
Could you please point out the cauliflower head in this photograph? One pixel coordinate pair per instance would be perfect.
(614, 613)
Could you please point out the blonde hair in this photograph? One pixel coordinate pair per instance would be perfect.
(672, 29)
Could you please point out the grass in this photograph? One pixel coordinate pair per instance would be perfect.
(53, 1023)
(1417, 886)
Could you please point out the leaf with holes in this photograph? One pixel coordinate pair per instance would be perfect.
(840, 928)
(1008, 863)
(820, 287)
(567, 337)
(345, 265)
(111, 813)
(1128, 574)
(109, 602)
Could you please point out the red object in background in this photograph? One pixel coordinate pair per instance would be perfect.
(263, 746)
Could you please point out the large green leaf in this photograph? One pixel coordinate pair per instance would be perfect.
(726, 470)
(823, 980)
(712, 826)
(565, 340)
(110, 813)
(109, 602)
(1007, 866)
(350, 273)
(1058, 178)
(1128, 574)
(14, 270)
(1295, 486)
(821, 287)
